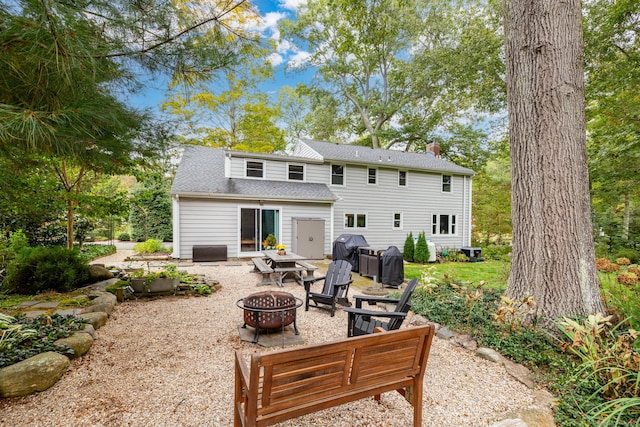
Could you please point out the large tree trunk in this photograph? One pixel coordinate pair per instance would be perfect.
(553, 249)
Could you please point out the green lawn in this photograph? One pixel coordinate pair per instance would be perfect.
(495, 273)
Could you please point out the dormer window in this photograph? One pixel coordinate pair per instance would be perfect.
(296, 173)
(255, 169)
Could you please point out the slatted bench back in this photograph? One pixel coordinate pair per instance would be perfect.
(299, 381)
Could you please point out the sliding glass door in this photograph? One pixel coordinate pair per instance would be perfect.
(255, 225)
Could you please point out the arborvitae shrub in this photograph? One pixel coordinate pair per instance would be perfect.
(41, 269)
(409, 248)
(421, 253)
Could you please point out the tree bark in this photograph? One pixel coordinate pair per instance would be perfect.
(626, 218)
(70, 228)
(553, 249)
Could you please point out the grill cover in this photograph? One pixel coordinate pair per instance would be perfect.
(392, 267)
(346, 247)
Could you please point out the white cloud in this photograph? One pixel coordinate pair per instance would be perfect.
(268, 24)
(271, 19)
(275, 59)
(283, 46)
(299, 59)
(292, 4)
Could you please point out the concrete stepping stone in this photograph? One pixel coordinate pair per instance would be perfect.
(51, 304)
(27, 303)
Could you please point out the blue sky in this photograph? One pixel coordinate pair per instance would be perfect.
(272, 13)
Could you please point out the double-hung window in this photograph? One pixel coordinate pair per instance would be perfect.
(402, 178)
(296, 172)
(255, 169)
(337, 175)
(446, 183)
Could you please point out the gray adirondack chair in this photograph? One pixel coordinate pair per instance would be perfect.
(363, 322)
(334, 290)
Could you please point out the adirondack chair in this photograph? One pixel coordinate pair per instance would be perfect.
(363, 322)
(335, 289)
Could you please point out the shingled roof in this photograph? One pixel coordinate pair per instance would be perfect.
(330, 151)
(201, 174)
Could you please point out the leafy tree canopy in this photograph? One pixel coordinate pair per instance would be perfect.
(612, 49)
(400, 70)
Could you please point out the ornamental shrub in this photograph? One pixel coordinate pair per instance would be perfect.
(421, 253)
(409, 248)
(631, 254)
(40, 269)
(124, 237)
(149, 247)
(628, 279)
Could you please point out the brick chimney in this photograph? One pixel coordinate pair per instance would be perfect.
(434, 147)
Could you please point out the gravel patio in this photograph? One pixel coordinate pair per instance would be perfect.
(169, 362)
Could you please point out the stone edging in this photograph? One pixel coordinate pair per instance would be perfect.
(540, 414)
(40, 372)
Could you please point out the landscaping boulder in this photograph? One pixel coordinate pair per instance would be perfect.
(418, 320)
(88, 329)
(37, 373)
(98, 273)
(101, 301)
(466, 341)
(519, 372)
(97, 319)
(445, 333)
(489, 354)
(80, 343)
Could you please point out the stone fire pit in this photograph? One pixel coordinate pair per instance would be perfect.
(269, 310)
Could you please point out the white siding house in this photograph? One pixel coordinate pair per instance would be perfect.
(224, 197)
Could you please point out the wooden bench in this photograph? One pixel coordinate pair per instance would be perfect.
(260, 266)
(309, 268)
(290, 383)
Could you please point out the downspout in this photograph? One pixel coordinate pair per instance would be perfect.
(470, 209)
(176, 227)
(331, 230)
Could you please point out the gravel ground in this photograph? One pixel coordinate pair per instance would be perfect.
(169, 362)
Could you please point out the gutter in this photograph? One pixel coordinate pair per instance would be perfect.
(227, 196)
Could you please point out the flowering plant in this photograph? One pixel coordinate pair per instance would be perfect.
(281, 247)
(270, 242)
